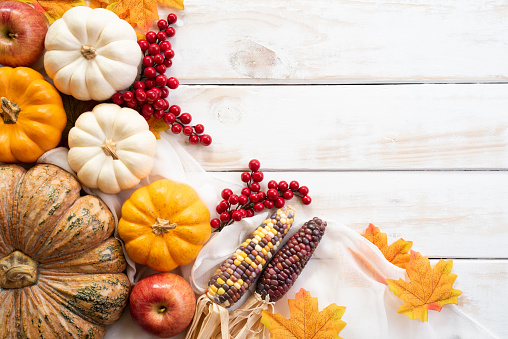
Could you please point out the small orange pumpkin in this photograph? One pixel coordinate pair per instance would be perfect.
(32, 113)
(164, 225)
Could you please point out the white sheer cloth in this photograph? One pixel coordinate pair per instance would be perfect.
(346, 269)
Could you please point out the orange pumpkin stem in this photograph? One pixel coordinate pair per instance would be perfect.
(88, 52)
(17, 270)
(162, 226)
(109, 147)
(9, 111)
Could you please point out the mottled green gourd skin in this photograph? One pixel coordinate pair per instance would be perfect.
(79, 286)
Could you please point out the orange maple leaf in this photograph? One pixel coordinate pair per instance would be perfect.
(428, 288)
(306, 321)
(54, 9)
(396, 253)
(139, 13)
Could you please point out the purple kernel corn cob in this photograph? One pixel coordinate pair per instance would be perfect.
(288, 263)
(234, 277)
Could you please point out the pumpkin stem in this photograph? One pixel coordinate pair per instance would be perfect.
(88, 52)
(17, 270)
(162, 226)
(109, 147)
(9, 111)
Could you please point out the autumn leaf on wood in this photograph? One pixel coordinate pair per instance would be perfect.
(54, 9)
(306, 321)
(428, 288)
(139, 13)
(156, 126)
(396, 253)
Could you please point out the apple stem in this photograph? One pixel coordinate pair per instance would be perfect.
(88, 52)
(13, 35)
(162, 226)
(9, 111)
(161, 310)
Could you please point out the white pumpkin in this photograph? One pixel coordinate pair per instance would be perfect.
(111, 148)
(91, 53)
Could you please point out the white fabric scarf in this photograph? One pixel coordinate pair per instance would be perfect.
(345, 269)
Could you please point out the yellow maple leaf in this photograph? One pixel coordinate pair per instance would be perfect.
(306, 321)
(396, 253)
(428, 288)
(156, 126)
(139, 13)
(54, 9)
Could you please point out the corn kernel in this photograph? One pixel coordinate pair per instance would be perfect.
(270, 245)
(248, 261)
(229, 282)
(220, 291)
(237, 262)
(213, 288)
(264, 251)
(237, 285)
(220, 281)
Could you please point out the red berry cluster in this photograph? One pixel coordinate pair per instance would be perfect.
(149, 94)
(253, 200)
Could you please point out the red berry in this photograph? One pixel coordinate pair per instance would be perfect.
(141, 103)
(253, 197)
(131, 104)
(148, 61)
(233, 199)
(140, 94)
(161, 80)
(146, 117)
(158, 104)
(147, 110)
(150, 72)
(154, 49)
(185, 118)
(246, 191)
(303, 190)
(176, 129)
(254, 165)
(288, 195)
(173, 83)
(143, 44)
(162, 24)
(199, 128)
(118, 98)
(187, 130)
(261, 196)
(226, 193)
(149, 84)
(293, 185)
(250, 213)
(172, 18)
(151, 37)
(165, 104)
(243, 212)
(169, 118)
(218, 209)
(236, 215)
(223, 205)
(306, 200)
(157, 91)
(272, 184)
(164, 92)
(242, 199)
(268, 204)
(258, 207)
(160, 68)
(128, 96)
(283, 186)
(205, 139)
(138, 85)
(215, 223)
(225, 217)
(168, 63)
(255, 187)
(157, 59)
(245, 176)
(151, 95)
(279, 202)
(175, 110)
(165, 45)
(159, 114)
(170, 32)
(193, 139)
(169, 54)
(161, 36)
(257, 176)
(272, 194)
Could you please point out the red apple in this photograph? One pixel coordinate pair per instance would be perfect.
(163, 304)
(22, 33)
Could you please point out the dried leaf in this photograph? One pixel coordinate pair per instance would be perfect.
(157, 126)
(73, 108)
(140, 13)
(54, 9)
(428, 288)
(397, 253)
(306, 321)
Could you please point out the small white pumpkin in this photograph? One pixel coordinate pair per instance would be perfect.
(91, 53)
(111, 148)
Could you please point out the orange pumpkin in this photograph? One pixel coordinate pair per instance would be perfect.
(32, 112)
(164, 225)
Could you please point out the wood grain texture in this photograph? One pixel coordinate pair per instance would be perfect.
(352, 127)
(341, 41)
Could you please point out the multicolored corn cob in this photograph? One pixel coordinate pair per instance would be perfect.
(280, 274)
(237, 274)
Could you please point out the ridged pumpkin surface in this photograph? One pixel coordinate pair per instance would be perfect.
(79, 287)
